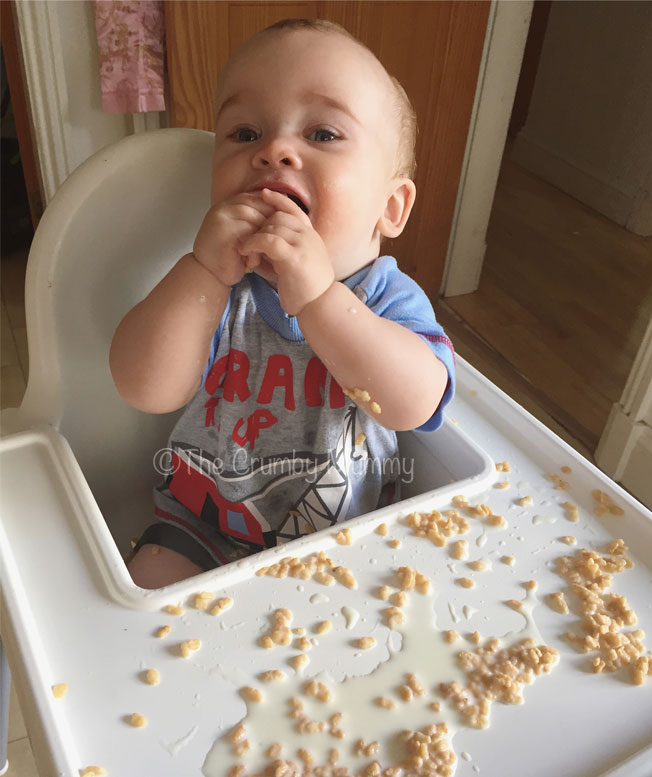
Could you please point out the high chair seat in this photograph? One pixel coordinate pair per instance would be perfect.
(114, 229)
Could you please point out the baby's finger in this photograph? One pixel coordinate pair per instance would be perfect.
(283, 203)
(275, 246)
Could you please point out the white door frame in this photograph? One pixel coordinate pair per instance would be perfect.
(500, 67)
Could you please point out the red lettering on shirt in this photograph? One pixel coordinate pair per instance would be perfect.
(278, 374)
(259, 419)
(231, 373)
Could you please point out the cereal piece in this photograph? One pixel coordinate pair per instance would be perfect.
(566, 469)
(502, 484)
(137, 720)
(201, 600)
(568, 539)
(375, 408)
(382, 529)
(572, 511)
(477, 566)
(503, 466)
(407, 578)
(188, 647)
(281, 636)
(558, 603)
(93, 771)
(395, 543)
(59, 690)
(450, 636)
(173, 609)
(306, 756)
(323, 627)
(360, 438)
(297, 662)
(385, 703)
(344, 537)
(530, 585)
(222, 605)
(560, 483)
(460, 549)
(422, 583)
(251, 694)
(398, 598)
(271, 675)
(163, 631)
(384, 592)
(305, 644)
(405, 692)
(466, 582)
(415, 685)
(361, 394)
(267, 642)
(274, 750)
(238, 733)
(435, 706)
(514, 604)
(524, 501)
(237, 770)
(474, 637)
(393, 617)
(496, 520)
(509, 560)
(152, 677)
(365, 643)
(242, 747)
(345, 577)
(324, 578)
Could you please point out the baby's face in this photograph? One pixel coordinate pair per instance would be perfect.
(309, 113)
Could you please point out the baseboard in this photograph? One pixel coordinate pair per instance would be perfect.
(584, 185)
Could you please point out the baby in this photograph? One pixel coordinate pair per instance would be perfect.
(297, 349)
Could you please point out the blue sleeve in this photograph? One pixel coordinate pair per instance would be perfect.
(392, 294)
(216, 339)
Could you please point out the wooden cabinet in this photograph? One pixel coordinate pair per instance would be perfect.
(433, 48)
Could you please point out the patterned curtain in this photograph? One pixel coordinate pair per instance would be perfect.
(131, 46)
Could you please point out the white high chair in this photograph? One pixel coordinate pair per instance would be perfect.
(116, 226)
(114, 229)
(77, 475)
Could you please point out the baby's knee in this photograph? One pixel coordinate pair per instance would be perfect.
(154, 566)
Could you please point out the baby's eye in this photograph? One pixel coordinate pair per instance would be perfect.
(323, 135)
(244, 135)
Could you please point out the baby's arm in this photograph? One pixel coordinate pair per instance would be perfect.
(364, 351)
(160, 348)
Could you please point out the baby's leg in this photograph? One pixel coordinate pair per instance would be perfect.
(154, 566)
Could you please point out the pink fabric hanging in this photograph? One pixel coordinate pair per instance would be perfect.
(131, 49)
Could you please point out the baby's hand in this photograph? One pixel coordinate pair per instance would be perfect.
(225, 225)
(295, 251)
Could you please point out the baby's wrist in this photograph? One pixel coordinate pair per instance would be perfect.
(207, 270)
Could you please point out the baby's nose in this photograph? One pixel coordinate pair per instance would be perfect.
(277, 153)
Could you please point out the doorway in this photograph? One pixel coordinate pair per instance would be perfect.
(565, 293)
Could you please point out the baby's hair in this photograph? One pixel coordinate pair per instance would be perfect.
(406, 116)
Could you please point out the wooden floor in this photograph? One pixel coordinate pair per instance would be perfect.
(564, 300)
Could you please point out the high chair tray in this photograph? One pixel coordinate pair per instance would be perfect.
(71, 615)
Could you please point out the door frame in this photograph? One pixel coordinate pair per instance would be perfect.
(500, 67)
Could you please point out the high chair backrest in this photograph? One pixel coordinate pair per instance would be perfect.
(112, 231)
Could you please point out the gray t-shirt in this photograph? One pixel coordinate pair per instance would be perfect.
(270, 448)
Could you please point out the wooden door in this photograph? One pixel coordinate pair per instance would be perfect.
(433, 48)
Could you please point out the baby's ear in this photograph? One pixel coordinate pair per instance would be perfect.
(397, 209)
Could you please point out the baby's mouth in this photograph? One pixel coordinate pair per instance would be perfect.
(299, 202)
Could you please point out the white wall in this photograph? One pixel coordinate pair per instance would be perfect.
(59, 49)
(589, 127)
